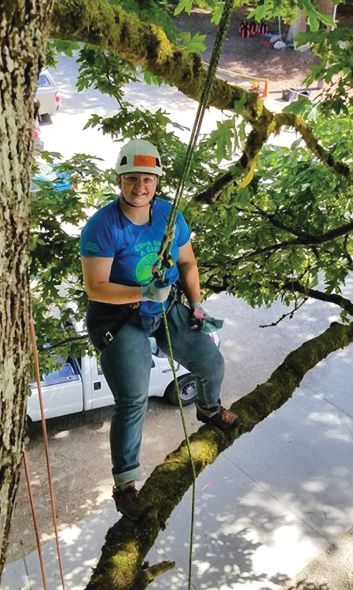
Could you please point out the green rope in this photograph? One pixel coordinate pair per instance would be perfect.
(212, 68)
(168, 238)
(176, 383)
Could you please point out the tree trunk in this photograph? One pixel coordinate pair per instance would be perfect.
(299, 26)
(22, 35)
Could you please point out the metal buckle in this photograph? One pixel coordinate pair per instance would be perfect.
(109, 336)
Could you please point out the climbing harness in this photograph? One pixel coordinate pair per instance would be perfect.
(164, 259)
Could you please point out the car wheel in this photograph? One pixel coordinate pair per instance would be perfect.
(187, 386)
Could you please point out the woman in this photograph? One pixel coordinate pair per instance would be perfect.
(119, 248)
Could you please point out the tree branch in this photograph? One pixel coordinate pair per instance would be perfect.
(346, 253)
(289, 314)
(297, 286)
(62, 342)
(254, 142)
(102, 24)
(149, 573)
(308, 240)
(279, 223)
(127, 542)
(292, 120)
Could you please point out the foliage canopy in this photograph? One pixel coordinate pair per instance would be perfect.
(283, 232)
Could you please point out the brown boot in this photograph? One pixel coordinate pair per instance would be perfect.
(224, 419)
(128, 502)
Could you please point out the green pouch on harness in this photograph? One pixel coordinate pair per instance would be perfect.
(200, 320)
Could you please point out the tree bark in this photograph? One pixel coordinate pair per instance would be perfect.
(127, 543)
(22, 34)
(299, 26)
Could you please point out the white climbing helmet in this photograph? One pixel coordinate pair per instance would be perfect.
(139, 155)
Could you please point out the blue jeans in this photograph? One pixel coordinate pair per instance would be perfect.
(126, 364)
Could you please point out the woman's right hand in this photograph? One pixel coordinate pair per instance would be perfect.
(155, 291)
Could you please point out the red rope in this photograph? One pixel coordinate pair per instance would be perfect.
(31, 501)
(46, 446)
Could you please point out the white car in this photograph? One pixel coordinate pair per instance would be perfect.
(47, 94)
(79, 385)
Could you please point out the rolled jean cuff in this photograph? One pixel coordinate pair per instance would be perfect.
(131, 475)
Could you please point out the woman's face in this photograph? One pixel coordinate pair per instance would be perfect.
(138, 188)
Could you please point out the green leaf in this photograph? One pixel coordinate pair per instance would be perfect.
(313, 21)
(193, 43)
(243, 197)
(327, 19)
(66, 47)
(151, 78)
(183, 5)
(217, 13)
(300, 106)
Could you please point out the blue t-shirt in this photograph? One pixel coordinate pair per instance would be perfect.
(135, 248)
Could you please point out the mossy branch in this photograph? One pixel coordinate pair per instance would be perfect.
(127, 542)
(291, 120)
(240, 169)
(101, 24)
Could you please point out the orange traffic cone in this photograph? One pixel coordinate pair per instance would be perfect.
(265, 90)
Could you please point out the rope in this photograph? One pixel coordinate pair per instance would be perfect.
(164, 253)
(34, 518)
(46, 446)
(176, 382)
(212, 69)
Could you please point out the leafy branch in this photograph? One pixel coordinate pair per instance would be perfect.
(256, 139)
(306, 239)
(294, 285)
(99, 23)
(289, 314)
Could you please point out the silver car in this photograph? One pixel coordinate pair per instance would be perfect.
(47, 94)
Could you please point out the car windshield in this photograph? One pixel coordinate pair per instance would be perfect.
(66, 372)
(62, 375)
(43, 80)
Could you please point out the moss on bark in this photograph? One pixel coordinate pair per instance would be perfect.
(100, 23)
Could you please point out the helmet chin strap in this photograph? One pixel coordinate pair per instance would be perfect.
(135, 206)
(150, 203)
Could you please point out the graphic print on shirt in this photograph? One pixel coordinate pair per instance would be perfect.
(148, 257)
